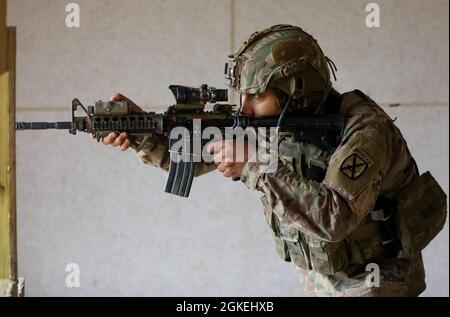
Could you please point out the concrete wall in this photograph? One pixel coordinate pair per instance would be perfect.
(82, 202)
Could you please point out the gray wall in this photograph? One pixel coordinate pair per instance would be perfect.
(82, 202)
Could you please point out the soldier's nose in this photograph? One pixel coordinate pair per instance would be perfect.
(246, 105)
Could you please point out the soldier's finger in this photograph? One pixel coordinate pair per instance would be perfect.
(221, 168)
(120, 139)
(109, 138)
(217, 159)
(123, 135)
(228, 164)
(118, 97)
(209, 148)
(215, 147)
(228, 172)
(125, 145)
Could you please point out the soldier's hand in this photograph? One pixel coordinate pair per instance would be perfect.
(229, 162)
(120, 97)
(120, 140)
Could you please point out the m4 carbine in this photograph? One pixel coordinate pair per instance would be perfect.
(105, 117)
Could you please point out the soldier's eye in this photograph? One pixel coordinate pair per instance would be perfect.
(258, 96)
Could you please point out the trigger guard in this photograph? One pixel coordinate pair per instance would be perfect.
(142, 144)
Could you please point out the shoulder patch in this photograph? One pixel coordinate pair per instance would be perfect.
(356, 164)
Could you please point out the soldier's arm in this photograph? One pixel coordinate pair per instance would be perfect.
(155, 152)
(329, 210)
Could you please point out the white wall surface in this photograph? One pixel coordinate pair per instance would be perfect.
(79, 201)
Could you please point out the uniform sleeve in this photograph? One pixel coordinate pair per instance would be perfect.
(332, 209)
(156, 153)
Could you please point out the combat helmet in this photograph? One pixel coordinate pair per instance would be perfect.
(286, 58)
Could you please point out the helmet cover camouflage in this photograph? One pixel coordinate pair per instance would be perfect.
(283, 57)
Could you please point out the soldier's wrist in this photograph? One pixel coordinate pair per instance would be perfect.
(250, 175)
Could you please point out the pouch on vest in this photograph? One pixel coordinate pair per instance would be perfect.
(305, 251)
(280, 245)
(297, 247)
(422, 211)
(327, 257)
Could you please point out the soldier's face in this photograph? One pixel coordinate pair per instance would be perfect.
(265, 104)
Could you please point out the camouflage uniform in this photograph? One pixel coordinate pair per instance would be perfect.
(304, 213)
(322, 221)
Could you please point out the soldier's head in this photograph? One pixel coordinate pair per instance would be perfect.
(281, 66)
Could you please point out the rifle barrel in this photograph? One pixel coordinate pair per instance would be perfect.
(43, 125)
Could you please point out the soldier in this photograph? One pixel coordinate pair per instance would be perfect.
(345, 218)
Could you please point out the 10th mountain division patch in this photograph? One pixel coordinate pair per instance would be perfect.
(355, 164)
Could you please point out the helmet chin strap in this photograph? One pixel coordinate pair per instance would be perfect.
(240, 103)
(283, 113)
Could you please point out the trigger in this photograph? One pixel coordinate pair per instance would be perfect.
(141, 145)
